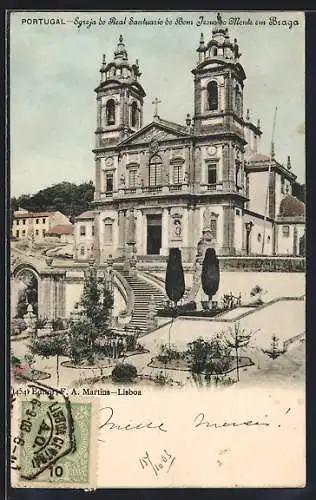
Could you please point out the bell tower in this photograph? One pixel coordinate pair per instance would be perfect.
(119, 98)
(218, 82)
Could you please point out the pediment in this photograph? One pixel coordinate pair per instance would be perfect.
(153, 132)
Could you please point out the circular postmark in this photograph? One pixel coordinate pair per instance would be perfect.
(45, 431)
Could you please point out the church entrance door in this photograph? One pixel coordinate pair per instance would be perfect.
(153, 234)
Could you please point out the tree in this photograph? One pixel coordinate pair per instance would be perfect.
(174, 283)
(210, 273)
(96, 301)
(49, 346)
(237, 338)
(95, 306)
(66, 197)
(274, 352)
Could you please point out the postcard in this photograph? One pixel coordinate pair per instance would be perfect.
(157, 245)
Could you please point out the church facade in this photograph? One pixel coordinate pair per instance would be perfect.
(164, 184)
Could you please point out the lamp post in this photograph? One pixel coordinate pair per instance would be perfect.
(248, 226)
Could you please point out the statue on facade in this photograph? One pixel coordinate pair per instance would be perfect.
(177, 228)
(122, 181)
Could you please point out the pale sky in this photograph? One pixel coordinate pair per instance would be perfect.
(54, 70)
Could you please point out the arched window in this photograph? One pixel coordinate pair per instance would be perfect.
(134, 115)
(212, 96)
(155, 165)
(110, 112)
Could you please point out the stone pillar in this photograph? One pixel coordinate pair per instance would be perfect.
(139, 231)
(96, 239)
(122, 230)
(228, 247)
(164, 232)
(97, 178)
(14, 296)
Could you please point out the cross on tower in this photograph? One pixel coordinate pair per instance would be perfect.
(156, 102)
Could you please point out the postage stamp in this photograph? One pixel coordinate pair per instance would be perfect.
(53, 440)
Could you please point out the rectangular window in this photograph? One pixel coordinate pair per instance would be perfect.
(37, 221)
(43, 232)
(286, 230)
(17, 234)
(132, 178)
(23, 232)
(109, 183)
(92, 230)
(43, 220)
(36, 232)
(17, 222)
(155, 174)
(82, 230)
(177, 174)
(82, 250)
(108, 232)
(24, 222)
(211, 173)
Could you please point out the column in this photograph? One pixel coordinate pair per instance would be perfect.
(96, 239)
(139, 231)
(97, 178)
(121, 222)
(228, 247)
(164, 231)
(187, 234)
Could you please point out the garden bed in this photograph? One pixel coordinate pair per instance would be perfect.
(184, 365)
(100, 364)
(139, 381)
(33, 375)
(103, 363)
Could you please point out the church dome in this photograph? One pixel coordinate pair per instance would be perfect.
(291, 206)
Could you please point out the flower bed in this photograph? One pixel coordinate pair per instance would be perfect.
(26, 373)
(184, 364)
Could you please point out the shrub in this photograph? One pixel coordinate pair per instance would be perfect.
(210, 273)
(174, 283)
(124, 372)
(18, 325)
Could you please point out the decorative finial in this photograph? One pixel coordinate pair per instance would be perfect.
(202, 38)
(156, 102)
(121, 39)
(289, 166)
(188, 120)
(137, 62)
(103, 59)
(272, 150)
(248, 115)
(258, 123)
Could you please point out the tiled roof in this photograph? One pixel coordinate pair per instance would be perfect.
(89, 214)
(61, 229)
(26, 215)
(291, 206)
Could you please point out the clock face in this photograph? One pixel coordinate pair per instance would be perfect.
(109, 162)
(212, 150)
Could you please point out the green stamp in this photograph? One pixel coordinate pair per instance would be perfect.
(56, 441)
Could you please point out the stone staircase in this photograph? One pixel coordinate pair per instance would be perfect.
(143, 292)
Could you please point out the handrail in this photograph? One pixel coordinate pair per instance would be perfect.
(155, 280)
(127, 292)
